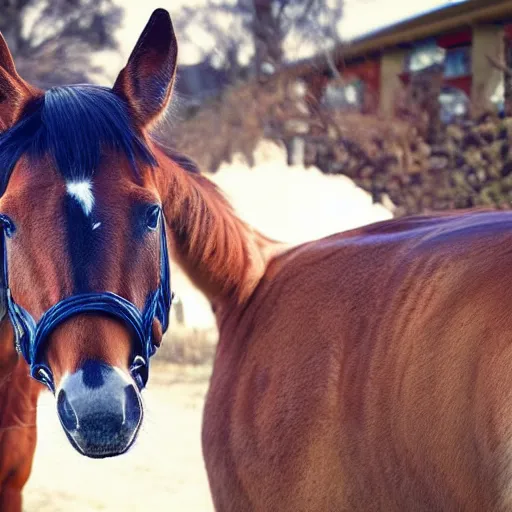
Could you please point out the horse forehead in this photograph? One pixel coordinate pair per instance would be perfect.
(111, 189)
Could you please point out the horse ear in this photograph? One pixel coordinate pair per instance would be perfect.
(14, 91)
(6, 60)
(147, 80)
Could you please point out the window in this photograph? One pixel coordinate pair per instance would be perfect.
(349, 95)
(454, 104)
(423, 56)
(457, 62)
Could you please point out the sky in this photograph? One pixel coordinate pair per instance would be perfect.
(361, 16)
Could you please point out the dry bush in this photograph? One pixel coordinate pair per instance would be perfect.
(225, 126)
(470, 166)
(412, 163)
(277, 110)
(236, 123)
(418, 104)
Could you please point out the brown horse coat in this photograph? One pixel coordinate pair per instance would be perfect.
(370, 371)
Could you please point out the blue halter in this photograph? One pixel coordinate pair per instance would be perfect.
(31, 335)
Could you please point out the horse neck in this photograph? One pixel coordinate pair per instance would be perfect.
(223, 256)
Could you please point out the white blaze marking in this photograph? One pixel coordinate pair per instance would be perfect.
(82, 192)
(96, 225)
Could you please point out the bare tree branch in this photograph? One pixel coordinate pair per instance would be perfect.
(65, 33)
(500, 65)
(265, 25)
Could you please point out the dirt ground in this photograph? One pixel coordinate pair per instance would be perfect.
(164, 470)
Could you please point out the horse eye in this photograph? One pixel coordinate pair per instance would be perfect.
(152, 217)
(7, 224)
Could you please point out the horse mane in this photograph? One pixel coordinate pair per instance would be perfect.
(208, 232)
(184, 161)
(210, 236)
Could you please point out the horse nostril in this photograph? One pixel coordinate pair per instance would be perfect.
(66, 412)
(132, 409)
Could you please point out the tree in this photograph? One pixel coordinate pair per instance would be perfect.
(257, 37)
(53, 40)
(252, 41)
(296, 22)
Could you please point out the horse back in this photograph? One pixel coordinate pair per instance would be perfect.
(371, 370)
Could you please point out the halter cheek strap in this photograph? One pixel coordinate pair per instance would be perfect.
(30, 336)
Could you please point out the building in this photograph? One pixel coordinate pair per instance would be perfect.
(465, 40)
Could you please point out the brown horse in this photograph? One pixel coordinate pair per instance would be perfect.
(369, 370)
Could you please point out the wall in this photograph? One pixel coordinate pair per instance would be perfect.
(487, 41)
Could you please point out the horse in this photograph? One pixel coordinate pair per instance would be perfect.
(364, 371)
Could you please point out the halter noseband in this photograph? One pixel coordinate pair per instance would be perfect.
(31, 335)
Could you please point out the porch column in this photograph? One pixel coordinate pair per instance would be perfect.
(391, 65)
(488, 40)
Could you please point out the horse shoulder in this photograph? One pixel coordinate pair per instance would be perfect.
(271, 412)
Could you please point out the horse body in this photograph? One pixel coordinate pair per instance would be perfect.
(370, 371)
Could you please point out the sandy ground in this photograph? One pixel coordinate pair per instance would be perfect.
(164, 471)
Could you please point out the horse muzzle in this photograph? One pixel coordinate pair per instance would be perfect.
(100, 410)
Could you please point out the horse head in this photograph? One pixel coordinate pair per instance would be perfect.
(86, 271)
